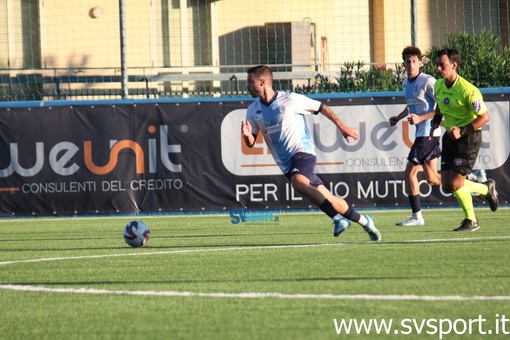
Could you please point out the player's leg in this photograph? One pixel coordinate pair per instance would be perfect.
(430, 172)
(333, 206)
(305, 182)
(486, 189)
(433, 178)
(349, 213)
(466, 151)
(445, 179)
(423, 153)
(413, 195)
(463, 195)
(308, 184)
(317, 193)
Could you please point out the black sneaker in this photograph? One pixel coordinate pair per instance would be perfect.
(468, 225)
(492, 194)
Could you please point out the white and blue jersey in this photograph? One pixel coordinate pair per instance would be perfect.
(283, 125)
(421, 99)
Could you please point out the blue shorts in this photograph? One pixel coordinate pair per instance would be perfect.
(304, 164)
(424, 150)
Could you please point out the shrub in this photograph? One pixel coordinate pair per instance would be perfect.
(484, 60)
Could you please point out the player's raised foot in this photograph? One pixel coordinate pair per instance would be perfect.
(468, 225)
(411, 221)
(492, 194)
(372, 231)
(340, 226)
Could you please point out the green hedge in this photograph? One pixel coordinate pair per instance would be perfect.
(485, 62)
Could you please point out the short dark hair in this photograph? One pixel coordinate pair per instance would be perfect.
(411, 50)
(453, 54)
(261, 71)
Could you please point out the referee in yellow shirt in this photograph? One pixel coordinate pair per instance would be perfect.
(464, 111)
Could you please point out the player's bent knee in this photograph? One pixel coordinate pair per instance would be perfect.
(434, 181)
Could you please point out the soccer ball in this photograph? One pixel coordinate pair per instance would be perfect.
(136, 234)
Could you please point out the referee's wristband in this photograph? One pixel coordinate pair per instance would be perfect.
(466, 130)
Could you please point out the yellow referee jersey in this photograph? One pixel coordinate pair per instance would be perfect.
(459, 104)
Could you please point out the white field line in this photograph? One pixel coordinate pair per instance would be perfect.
(26, 288)
(166, 252)
(188, 251)
(249, 295)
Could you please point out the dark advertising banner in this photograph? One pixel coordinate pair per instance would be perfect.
(189, 157)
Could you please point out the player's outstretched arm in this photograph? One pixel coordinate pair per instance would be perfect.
(347, 132)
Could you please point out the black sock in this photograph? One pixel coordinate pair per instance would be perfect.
(328, 208)
(414, 201)
(352, 215)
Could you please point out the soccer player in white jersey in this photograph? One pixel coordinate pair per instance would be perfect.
(420, 109)
(279, 117)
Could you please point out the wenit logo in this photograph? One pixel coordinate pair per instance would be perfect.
(381, 148)
(62, 157)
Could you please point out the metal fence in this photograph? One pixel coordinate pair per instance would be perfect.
(85, 49)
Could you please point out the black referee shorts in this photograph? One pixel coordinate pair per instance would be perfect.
(460, 155)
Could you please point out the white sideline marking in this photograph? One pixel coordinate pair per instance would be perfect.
(187, 251)
(253, 295)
